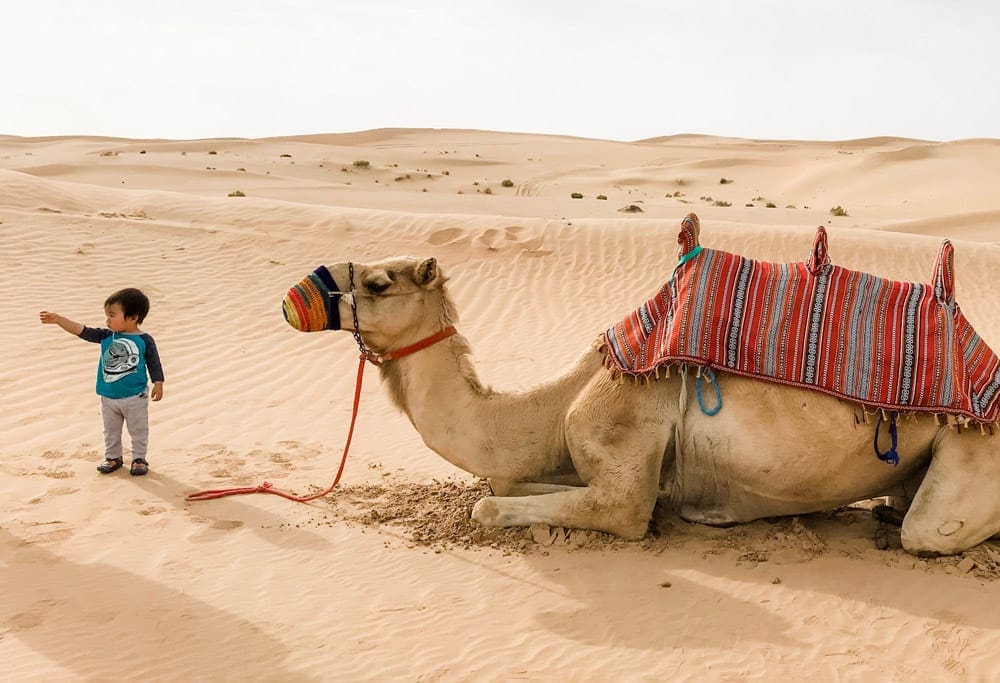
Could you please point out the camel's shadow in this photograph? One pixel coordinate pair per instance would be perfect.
(716, 582)
(715, 574)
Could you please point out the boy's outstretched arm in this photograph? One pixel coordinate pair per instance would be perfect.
(70, 326)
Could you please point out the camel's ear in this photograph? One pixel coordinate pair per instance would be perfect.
(426, 273)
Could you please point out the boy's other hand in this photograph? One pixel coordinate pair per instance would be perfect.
(157, 392)
(49, 318)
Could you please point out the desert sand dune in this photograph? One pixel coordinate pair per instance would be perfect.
(111, 576)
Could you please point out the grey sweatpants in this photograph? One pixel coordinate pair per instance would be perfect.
(134, 412)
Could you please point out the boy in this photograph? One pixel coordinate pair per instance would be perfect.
(127, 354)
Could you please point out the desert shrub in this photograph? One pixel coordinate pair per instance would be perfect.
(838, 210)
(361, 163)
(719, 202)
(576, 195)
(285, 156)
(771, 205)
(212, 151)
(725, 181)
(602, 196)
(507, 182)
(488, 191)
(237, 193)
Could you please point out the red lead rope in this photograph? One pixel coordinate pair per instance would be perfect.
(375, 359)
(267, 487)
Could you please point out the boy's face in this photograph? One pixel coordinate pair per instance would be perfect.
(117, 322)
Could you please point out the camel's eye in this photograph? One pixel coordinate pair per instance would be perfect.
(378, 285)
(378, 281)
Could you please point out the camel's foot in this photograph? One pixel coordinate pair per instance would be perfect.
(569, 509)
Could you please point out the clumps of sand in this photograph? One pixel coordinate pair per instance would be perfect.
(438, 516)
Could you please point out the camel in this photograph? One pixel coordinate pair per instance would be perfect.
(594, 450)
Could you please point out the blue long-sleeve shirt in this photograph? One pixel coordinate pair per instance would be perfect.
(125, 361)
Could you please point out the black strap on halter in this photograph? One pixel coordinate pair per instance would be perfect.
(354, 312)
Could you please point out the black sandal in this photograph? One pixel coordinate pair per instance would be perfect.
(109, 465)
(139, 467)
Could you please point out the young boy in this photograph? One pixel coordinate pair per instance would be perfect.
(127, 354)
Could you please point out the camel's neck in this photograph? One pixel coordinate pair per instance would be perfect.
(489, 434)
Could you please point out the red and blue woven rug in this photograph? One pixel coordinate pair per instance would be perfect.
(899, 346)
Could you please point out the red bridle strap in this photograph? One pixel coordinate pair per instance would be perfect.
(379, 359)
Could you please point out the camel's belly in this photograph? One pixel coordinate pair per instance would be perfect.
(774, 450)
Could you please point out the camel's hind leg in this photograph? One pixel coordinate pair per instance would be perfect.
(958, 503)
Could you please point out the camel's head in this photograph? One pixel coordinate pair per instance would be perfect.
(395, 301)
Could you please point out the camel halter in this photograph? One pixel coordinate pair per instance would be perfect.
(333, 297)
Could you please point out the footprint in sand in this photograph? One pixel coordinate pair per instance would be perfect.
(226, 524)
(152, 510)
(494, 239)
(180, 568)
(446, 236)
(205, 535)
(450, 237)
(24, 621)
(57, 491)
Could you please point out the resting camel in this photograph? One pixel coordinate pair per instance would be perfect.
(595, 449)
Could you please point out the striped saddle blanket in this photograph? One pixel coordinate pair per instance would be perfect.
(899, 346)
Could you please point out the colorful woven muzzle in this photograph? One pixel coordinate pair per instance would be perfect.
(312, 305)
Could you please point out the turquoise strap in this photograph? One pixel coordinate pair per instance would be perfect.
(687, 257)
(707, 372)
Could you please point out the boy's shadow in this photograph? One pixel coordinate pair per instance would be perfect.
(236, 512)
(101, 622)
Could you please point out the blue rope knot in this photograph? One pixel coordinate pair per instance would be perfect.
(890, 456)
(715, 385)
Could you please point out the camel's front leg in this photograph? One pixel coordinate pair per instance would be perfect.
(577, 508)
(553, 484)
(617, 450)
(958, 503)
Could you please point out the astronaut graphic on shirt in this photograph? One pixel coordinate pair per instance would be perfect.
(120, 359)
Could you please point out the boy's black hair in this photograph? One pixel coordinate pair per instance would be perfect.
(133, 302)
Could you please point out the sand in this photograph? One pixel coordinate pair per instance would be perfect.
(117, 577)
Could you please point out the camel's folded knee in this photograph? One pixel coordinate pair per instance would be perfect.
(947, 537)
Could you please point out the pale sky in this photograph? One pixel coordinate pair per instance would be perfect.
(621, 70)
